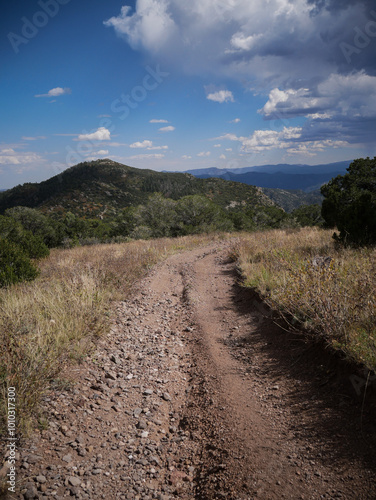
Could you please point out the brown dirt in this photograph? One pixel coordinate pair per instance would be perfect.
(197, 394)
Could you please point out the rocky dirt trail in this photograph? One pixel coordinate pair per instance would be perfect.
(197, 394)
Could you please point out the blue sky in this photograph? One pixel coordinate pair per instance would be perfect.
(173, 85)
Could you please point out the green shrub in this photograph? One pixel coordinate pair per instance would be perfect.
(13, 231)
(350, 203)
(15, 265)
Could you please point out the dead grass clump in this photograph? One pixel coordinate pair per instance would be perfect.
(335, 298)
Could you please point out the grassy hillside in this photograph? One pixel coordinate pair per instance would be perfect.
(289, 200)
(103, 187)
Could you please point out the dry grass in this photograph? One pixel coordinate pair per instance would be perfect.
(336, 300)
(55, 319)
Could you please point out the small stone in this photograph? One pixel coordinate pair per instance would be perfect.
(115, 359)
(141, 424)
(31, 493)
(33, 459)
(148, 392)
(41, 479)
(67, 458)
(110, 375)
(154, 460)
(74, 481)
(166, 396)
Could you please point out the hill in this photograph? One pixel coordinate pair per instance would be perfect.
(103, 187)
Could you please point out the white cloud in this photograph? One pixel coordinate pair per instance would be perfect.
(290, 139)
(228, 149)
(147, 157)
(170, 128)
(101, 152)
(147, 145)
(102, 134)
(186, 157)
(240, 41)
(348, 96)
(143, 144)
(263, 140)
(151, 26)
(9, 156)
(158, 121)
(319, 116)
(236, 120)
(56, 92)
(217, 146)
(222, 157)
(221, 96)
(204, 154)
(231, 34)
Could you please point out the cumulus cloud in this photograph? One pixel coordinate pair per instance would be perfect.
(293, 140)
(287, 40)
(101, 152)
(143, 144)
(56, 92)
(102, 134)
(146, 145)
(151, 26)
(236, 120)
(217, 145)
(156, 156)
(186, 157)
(221, 96)
(158, 121)
(204, 154)
(263, 140)
(9, 156)
(170, 128)
(341, 106)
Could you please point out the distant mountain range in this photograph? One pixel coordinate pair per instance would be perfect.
(307, 178)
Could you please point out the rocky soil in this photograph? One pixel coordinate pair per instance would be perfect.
(196, 393)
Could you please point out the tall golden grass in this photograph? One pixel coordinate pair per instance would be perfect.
(55, 319)
(335, 300)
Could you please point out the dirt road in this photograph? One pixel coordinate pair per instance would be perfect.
(197, 394)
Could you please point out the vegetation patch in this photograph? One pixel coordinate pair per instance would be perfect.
(313, 283)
